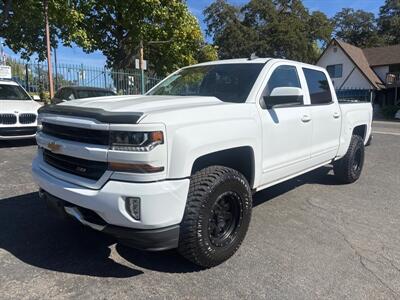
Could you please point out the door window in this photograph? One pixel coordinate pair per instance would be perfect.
(283, 76)
(318, 86)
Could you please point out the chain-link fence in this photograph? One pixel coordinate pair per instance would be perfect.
(33, 77)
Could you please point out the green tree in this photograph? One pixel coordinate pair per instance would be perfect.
(117, 27)
(278, 28)
(22, 25)
(357, 27)
(207, 53)
(111, 26)
(233, 38)
(389, 21)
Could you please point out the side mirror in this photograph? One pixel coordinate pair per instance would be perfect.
(36, 97)
(283, 96)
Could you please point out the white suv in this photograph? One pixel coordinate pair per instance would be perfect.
(18, 112)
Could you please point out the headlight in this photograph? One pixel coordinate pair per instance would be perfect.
(135, 141)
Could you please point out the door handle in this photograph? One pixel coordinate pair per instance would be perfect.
(336, 115)
(306, 118)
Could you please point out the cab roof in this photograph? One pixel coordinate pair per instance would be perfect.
(7, 82)
(257, 60)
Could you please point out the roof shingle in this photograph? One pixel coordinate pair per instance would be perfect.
(383, 56)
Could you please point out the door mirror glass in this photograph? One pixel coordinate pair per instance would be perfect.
(283, 96)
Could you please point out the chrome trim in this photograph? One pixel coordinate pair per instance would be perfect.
(74, 212)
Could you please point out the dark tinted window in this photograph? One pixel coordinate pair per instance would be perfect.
(227, 82)
(12, 92)
(283, 76)
(93, 93)
(68, 94)
(318, 86)
(335, 71)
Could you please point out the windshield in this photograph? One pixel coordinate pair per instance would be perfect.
(227, 82)
(12, 92)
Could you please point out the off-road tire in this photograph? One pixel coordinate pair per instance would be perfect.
(348, 169)
(197, 241)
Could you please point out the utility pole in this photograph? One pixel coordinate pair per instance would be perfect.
(55, 67)
(141, 60)
(47, 29)
(141, 67)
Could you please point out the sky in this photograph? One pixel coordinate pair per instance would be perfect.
(75, 55)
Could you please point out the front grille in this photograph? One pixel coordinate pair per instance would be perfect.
(27, 118)
(82, 135)
(8, 119)
(85, 168)
(17, 131)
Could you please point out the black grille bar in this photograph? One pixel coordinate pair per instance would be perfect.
(8, 119)
(27, 118)
(17, 131)
(82, 135)
(85, 168)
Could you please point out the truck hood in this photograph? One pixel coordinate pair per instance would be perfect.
(19, 106)
(142, 104)
(128, 109)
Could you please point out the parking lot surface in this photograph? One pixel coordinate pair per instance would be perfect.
(310, 238)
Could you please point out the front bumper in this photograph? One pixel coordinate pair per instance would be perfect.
(14, 133)
(150, 239)
(162, 203)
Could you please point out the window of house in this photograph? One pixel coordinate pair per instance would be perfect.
(394, 68)
(318, 86)
(335, 71)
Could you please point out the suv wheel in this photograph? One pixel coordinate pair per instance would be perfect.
(217, 216)
(348, 168)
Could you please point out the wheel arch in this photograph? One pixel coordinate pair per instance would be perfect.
(361, 131)
(240, 159)
(359, 128)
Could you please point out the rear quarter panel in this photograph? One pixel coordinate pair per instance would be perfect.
(353, 115)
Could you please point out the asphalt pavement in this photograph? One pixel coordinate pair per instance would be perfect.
(310, 238)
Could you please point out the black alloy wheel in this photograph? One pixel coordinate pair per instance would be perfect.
(217, 216)
(225, 218)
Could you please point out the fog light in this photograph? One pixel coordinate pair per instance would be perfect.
(132, 206)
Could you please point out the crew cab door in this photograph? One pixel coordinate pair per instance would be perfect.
(325, 115)
(286, 124)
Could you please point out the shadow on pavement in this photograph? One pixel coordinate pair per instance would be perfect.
(318, 176)
(166, 261)
(17, 143)
(32, 234)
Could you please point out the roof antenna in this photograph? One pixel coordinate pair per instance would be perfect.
(253, 56)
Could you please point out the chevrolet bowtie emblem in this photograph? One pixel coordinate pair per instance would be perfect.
(53, 147)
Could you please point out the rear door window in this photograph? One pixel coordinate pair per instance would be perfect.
(318, 86)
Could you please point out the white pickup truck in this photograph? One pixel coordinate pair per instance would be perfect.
(177, 167)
